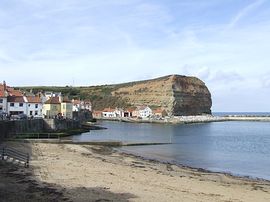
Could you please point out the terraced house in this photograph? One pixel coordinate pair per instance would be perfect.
(57, 107)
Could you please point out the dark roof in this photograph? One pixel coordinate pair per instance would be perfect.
(15, 99)
(33, 99)
(53, 100)
(66, 100)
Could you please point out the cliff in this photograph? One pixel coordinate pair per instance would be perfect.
(179, 95)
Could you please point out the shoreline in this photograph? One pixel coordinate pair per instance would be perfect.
(91, 173)
(198, 169)
(190, 119)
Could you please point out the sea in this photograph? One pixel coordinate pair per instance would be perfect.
(236, 147)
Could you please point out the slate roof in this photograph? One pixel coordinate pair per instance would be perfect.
(53, 100)
(33, 99)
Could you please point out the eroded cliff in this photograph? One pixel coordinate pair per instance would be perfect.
(179, 95)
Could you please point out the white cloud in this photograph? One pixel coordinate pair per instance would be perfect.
(245, 11)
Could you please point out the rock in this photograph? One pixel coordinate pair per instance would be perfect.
(178, 95)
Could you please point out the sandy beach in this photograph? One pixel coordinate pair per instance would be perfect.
(66, 172)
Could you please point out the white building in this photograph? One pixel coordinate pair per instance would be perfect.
(87, 105)
(16, 105)
(34, 107)
(144, 111)
(109, 113)
(3, 102)
(81, 105)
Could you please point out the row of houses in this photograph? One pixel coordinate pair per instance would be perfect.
(43, 105)
(138, 112)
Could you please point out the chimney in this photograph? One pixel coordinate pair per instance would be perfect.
(5, 86)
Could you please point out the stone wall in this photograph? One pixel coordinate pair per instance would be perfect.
(10, 128)
(57, 124)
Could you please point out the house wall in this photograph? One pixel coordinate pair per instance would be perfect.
(108, 114)
(32, 107)
(51, 110)
(3, 105)
(66, 110)
(146, 112)
(17, 108)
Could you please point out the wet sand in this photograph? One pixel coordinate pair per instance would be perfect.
(66, 172)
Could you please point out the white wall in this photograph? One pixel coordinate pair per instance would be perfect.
(147, 112)
(17, 108)
(35, 108)
(108, 114)
(3, 105)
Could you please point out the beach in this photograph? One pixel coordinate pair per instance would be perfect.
(68, 172)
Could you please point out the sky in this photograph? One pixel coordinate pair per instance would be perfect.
(225, 43)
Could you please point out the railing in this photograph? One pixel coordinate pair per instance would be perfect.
(10, 153)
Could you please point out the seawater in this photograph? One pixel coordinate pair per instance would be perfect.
(239, 148)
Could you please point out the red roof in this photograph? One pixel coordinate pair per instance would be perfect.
(159, 110)
(2, 93)
(53, 100)
(33, 99)
(108, 110)
(15, 99)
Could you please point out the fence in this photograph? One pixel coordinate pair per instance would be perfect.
(10, 153)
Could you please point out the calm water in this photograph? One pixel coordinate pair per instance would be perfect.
(240, 148)
(241, 113)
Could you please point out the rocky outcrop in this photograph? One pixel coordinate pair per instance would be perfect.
(179, 95)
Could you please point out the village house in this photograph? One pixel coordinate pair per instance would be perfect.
(16, 105)
(109, 113)
(52, 107)
(142, 112)
(66, 108)
(57, 107)
(97, 114)
(81, 105)
(128, 112)
(159, 112)
(3, 98)
(34, 108)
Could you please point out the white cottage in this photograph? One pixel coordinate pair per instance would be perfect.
(34, 107)
(144, 111)
(3, 102)
(109, 113)
(17, 105)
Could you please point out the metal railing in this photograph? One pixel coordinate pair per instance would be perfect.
(10, 153)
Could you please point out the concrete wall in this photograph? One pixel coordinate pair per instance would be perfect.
(58, 124)
(10, 128)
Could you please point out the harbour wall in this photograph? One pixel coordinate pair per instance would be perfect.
(10, 128)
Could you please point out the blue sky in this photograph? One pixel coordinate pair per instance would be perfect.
(226, 43)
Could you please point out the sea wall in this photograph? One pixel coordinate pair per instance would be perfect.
(57, 124)
(10, 128)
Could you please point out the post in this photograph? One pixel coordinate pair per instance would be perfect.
(3, 153)
(27, 161)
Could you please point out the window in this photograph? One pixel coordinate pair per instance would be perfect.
(11, 104)
(1, 108)
(36, 112)
(21, 104)
(36, 105)
(31, 113)
(29, 105)
(1, 100)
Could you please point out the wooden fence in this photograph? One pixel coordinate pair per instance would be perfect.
(10, 153)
